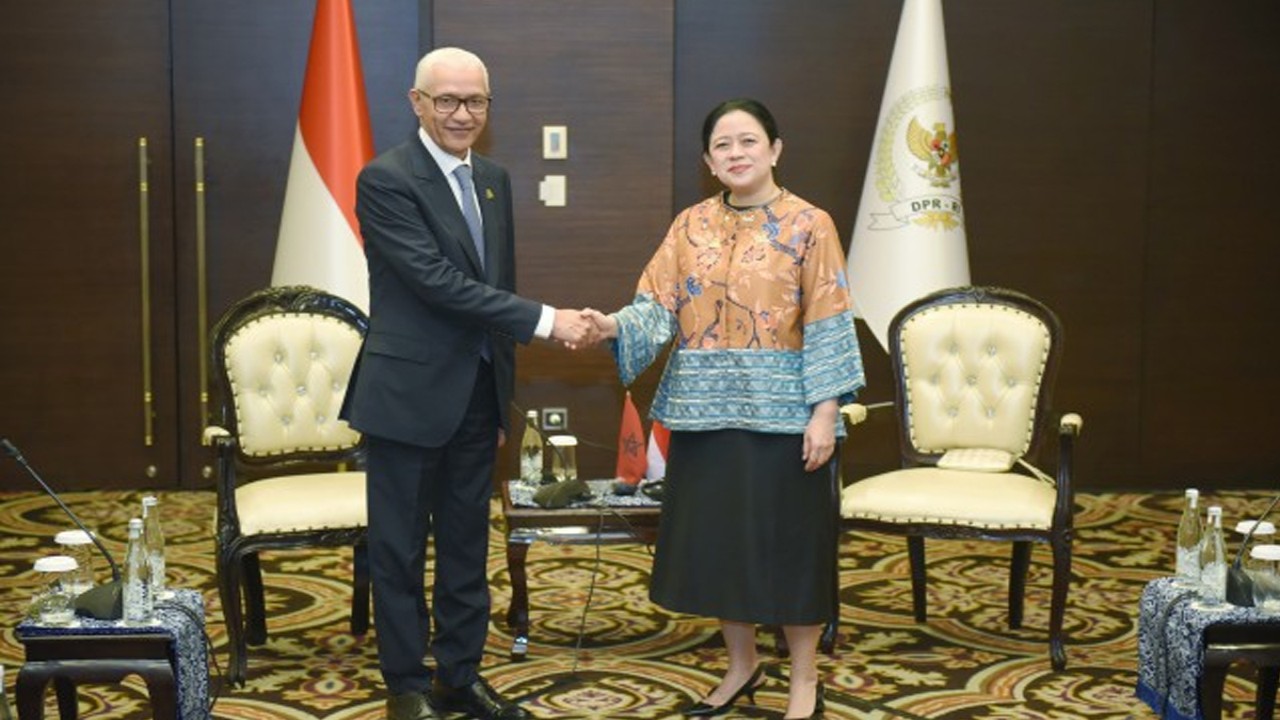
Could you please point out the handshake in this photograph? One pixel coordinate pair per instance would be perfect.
(585, 328)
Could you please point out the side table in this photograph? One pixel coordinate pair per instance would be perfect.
(169, 655)
(1185, 648)
(603, 518)
(1224, 644)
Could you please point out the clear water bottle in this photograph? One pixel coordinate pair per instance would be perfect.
(1190, 539)
(531, 451)
(153, 538)
(138, 603)
(1213, 560)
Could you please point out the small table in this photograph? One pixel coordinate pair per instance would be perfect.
(169, 655)
(604, 518)
(1185, 648)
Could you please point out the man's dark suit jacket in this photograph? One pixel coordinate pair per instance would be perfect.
(431, 304)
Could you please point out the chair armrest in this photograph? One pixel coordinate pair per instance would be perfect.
(224, 445)
(1071, 423)
(855, 413)
(213, 434)
(1069, 427)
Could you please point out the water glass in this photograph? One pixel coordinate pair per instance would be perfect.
(78, 545)
(564, 457)
(1264, 570)
(52, 604)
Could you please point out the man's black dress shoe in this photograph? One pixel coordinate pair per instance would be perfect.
(477, 700)
(411, 706)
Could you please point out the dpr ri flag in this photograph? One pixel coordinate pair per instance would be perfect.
(908, 236)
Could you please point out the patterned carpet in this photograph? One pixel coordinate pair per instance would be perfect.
(638, 661)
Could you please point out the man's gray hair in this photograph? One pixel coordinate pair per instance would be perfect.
(447, 56)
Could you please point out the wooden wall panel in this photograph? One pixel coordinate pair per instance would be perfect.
(605, 71)
(1053, 107)
(820, 68)
(82, 83)
(1212, 248)
(86, 83)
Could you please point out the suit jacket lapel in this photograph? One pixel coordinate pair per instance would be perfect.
(444, 205)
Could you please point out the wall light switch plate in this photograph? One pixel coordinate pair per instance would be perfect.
(555, 142)
(552, 191)
(555, 419)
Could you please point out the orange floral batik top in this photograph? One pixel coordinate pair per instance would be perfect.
(758, 305)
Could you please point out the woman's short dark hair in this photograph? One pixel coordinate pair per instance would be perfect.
(754, 108)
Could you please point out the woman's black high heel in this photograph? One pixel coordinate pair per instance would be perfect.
(753, 683)
(819, 704)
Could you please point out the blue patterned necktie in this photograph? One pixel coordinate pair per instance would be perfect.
(470, 212)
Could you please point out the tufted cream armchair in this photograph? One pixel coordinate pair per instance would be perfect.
(974, 368)
(290, 473)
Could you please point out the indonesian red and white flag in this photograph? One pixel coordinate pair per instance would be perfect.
(659, 439)
(908, 237)
(319, 242)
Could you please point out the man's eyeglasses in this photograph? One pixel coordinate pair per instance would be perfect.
(448, 104)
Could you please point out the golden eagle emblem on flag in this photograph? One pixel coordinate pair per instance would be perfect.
(938, 149)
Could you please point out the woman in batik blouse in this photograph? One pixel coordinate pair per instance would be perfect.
(750, 286)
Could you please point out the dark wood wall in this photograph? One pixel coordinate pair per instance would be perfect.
(1211, 254)
(78, 101)
(82, 85)
(1116, 164)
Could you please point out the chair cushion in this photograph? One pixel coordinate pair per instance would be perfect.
(972, 376)
(288, 374)
(977, 460)
(951, 497)
(298, 503)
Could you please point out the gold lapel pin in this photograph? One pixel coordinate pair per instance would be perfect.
(488, 193)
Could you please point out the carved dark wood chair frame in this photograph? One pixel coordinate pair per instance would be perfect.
(238, 567)
(1059, 535)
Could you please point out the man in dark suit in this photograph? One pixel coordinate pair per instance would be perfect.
(432, 385)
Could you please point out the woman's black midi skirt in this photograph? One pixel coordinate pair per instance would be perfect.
(746, 534)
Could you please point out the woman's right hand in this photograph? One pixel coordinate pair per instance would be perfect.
(606, 325)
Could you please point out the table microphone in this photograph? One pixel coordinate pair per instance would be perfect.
(103, 602)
